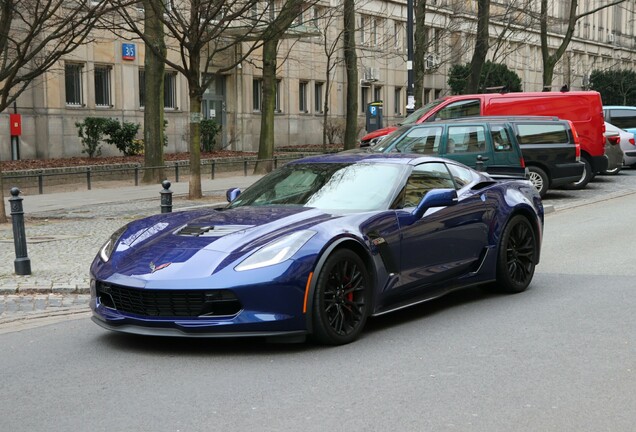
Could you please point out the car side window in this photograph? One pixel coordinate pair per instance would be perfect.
(423, 178)
(623, 118)
(462, 175)
(464, 108)
(422, 140)
(542, 133)
(500, 138)
(466, 139)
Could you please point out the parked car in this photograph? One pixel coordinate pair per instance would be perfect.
(550, 148)
(627, 143)
(485, 145)
(318, 246)
(613, 152)
(583, 108)
(623, 117)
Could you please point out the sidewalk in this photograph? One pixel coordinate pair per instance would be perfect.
(64, 232)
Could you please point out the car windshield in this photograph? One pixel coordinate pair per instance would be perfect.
(388, 143)
(327, 186)
(415, 115)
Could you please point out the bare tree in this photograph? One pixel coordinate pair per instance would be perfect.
(351, 64)
(481, 45)
(154, 75)
(35, 35)
(550, 60)
(207, 37)
(290, 10)
(331, 35)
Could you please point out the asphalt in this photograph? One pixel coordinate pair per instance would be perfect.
(64, 230)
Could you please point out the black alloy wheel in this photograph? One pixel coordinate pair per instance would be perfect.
(517, 256)
(341, 299)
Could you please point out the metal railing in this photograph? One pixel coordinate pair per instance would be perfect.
(211, 166)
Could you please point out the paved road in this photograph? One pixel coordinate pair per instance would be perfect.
(65, 230)
(558, 357)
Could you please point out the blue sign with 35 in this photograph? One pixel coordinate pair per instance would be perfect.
(128, 51)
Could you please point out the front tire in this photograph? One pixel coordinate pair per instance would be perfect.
(341, 299)
(516, 256)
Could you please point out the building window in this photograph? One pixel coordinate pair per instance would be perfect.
(302, 97)
(102, 86)
(73, 83)
(170, 90)
(142, 88)
(277, 108)
(377, 93)
(257, 94)
(318, 102)
(397, 106)
(364, 98)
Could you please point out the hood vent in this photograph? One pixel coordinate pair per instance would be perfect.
(211, 230)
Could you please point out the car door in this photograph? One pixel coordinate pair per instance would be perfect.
(465, 143)
(446, 242)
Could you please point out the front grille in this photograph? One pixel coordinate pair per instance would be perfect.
(168, 303)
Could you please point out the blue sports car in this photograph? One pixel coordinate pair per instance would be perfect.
(317, 247)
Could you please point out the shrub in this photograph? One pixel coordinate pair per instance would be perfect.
(209, 129)
(492, 75)
(90, 132)
(122, 135)
(335, 130)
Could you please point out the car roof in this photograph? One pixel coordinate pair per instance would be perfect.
(361, 156)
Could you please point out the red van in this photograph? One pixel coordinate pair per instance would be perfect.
(583, 108)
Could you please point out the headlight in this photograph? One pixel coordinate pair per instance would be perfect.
(276, 251)
(106, 250)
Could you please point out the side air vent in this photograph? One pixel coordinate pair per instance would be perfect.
(211, 230)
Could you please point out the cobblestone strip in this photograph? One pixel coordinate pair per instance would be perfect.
(33, 303)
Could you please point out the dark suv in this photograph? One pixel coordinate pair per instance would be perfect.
(546, 148)
(551, 150)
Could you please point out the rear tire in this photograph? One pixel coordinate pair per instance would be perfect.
(341, 299)
(612, 171)
(586, 177)
(539, 180)
(516, 256)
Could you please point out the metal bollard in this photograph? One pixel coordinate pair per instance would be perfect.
(88, 178)
(137, 175)
(166, 197)
(22, 262)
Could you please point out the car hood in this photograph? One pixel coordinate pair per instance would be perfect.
(199, 241)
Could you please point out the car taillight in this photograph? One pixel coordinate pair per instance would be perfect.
(522, 161)
(614, 139)
(577, 141)
(577, 151)
(631, 141)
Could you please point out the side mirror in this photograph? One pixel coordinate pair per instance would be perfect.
(232, 194)
(435, 198)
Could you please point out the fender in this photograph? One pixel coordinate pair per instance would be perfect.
(318, 268)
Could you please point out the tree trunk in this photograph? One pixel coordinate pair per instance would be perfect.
(419, 52)
(154, 68)
(481, 46)
(351, 64)
(194, 187)
(266, 140)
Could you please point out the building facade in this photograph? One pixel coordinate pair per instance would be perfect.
(105, 77)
